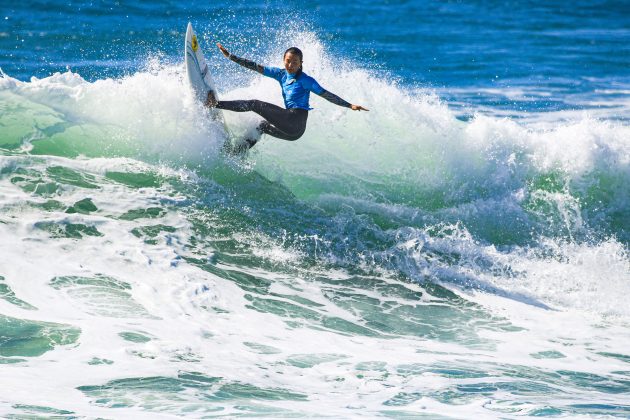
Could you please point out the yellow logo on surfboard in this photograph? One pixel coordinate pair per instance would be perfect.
(195, 44)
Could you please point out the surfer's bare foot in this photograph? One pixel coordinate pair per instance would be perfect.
(211, 101)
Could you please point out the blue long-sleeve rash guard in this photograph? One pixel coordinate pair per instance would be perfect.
(295, 91)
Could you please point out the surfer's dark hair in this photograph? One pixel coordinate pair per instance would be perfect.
(296, 51)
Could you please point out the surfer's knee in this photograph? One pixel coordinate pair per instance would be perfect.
(297, 133)
(291, 136)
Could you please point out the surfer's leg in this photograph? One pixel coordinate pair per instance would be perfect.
(290, 125)
(272, 113)
(236, 106)
(285, 124)
(266, 128)
(294, 134)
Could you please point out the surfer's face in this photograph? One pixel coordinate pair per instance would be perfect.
(292, 62)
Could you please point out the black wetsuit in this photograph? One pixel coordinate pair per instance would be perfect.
(289, 123)
(286, 124)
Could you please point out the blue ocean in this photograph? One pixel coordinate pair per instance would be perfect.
(462, 250)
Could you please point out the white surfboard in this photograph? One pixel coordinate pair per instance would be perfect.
(197, 71)
(201, 83)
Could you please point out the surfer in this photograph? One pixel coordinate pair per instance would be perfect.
(290, 123)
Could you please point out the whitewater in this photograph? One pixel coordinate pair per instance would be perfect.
(416, 261)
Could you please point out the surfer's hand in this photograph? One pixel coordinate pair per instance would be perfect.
(358, 108)
(223, 50)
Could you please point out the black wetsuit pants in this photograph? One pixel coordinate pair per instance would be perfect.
(286, 124)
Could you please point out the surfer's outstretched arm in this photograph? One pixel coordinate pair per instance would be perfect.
(312, 85)
(331, 97)
(242, 61)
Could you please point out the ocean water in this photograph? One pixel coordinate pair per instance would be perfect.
(460, 251)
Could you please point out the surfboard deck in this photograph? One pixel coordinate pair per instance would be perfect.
(197, 71)
(201, 82)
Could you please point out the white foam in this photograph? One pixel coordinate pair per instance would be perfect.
(561, 274)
